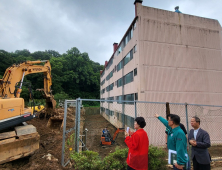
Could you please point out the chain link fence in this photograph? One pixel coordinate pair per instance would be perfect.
(121, 114)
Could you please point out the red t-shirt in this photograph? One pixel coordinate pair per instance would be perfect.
(138, 145)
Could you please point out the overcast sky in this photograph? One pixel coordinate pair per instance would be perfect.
(90, 25)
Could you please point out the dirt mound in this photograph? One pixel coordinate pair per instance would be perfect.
(50, 147)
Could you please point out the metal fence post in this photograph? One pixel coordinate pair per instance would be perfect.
(135, 108)
(77, 125)
(85, 139)
(187, 121)
(64, 134)
(188, 131)
(123, 110)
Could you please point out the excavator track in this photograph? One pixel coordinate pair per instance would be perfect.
(21, 142)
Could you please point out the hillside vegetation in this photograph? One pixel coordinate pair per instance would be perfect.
(73, 73)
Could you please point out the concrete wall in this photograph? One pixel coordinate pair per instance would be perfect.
(180, 57)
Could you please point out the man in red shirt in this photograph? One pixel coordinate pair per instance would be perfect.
(138, 144)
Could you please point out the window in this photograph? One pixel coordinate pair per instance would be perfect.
(119, 82)
(128, 57)
(129, 97)
(110, 98)
(134, 26)
(120, 66)
(125, 60)
(109, 75)
(102, 99)
(129, 121)
(122, 117)
(135, 71)
(119, 99)
(126, 39)
(102, 109)
(103, 90)
(102, 73)
(109, 112)
(102, 82)
(136, 96)
(110, 87)
(131, 33)
(132, 122)
(135, 48)
(117, 115)
(128, 78)
(119, 49)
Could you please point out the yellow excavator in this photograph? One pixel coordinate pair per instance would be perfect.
(23, 140)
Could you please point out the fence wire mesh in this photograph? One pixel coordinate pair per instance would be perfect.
(69, 126)
(92, 115)
(210, 120)
(123, 113)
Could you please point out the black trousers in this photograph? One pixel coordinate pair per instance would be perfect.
(129, 168)
(197, 166)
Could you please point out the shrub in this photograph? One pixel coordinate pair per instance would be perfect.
(116, 160)
(86, 160)
(89, 160)
(157, 158)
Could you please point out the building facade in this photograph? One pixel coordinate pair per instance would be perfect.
(164, 56)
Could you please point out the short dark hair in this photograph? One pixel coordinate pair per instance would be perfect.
(197, 119)
(168, 115)
(175, 119)
(140, 121)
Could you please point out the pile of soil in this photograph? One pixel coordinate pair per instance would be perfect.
(50, 143)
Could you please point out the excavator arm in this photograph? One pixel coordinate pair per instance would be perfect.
(116, 133)
(17, 72)
(23, 140)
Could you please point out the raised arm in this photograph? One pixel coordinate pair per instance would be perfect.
(164, 121)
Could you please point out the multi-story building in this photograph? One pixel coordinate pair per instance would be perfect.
(165, 56)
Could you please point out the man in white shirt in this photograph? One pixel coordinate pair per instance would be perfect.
(200, 141)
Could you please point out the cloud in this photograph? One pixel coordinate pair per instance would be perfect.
(90, 25)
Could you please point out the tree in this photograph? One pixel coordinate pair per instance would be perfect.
(73, 73)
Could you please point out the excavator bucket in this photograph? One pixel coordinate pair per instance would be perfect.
(55, 123)
(50, 103)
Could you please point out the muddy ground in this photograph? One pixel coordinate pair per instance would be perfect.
(95, 124)
(51, 143)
